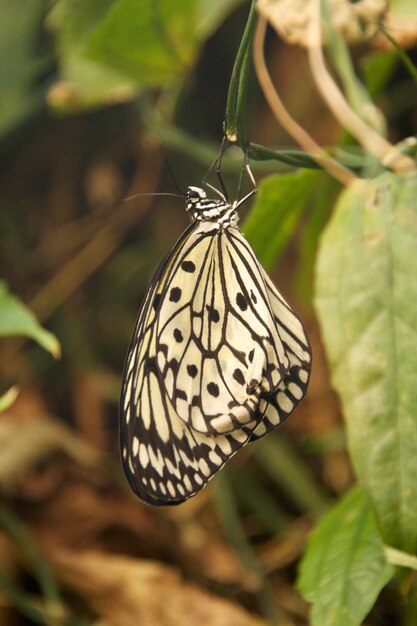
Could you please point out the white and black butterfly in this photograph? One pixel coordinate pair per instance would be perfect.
(217, 359)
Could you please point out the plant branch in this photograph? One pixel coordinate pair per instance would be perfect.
(284, 118)
(372, 141)
(405, 59)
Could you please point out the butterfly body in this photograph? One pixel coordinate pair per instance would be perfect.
(217, 358)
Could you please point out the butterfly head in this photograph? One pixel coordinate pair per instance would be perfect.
(194, 196)
(203, 209)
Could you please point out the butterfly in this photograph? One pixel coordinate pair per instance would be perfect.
(218, 358)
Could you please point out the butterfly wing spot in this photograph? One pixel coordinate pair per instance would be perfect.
(178, 336)
(188, 266)
(192, 370)
(238, 376)
(241, 301)
(175, 294)
(213, 389)
(213, 314)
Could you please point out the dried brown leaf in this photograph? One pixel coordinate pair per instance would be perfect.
(23, 445)
(126, 592)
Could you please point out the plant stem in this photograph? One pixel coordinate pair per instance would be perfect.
(42, 571)
(236, 97)
(405, 59)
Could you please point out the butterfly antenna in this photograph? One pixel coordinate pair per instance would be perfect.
(139, 195)
(174, 180)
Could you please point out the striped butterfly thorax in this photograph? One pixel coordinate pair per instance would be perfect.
(218, 358)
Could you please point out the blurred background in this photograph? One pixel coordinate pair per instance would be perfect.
(95, 97)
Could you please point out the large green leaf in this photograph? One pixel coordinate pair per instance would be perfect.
(17, 319)
(109, 49)
(344, 568)
(279, 204)
(367, 302)
(151, 41)
(83, 81)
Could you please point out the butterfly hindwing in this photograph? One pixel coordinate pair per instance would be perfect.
(166, 461)
(293, 388)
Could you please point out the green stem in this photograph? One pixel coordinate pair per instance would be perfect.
(43, 574)
(402, 54)
(235, 534)
(173, 137)
(242, 98)
(295, 158)
(236, 97)
(19, 600)
(338, 55)
(277, 458)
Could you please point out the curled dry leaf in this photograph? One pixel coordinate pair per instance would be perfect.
(79, 514)
(358, 21)
(126, 592)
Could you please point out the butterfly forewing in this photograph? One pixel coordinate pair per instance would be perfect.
(165, 460)
(218, 349)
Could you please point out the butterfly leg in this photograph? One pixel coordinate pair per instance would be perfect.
(217, 166)
(246, 170)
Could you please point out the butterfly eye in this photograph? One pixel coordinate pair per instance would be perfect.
(193, 195)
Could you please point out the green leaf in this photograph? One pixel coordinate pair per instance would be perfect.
(17, 319)
(344, 568)
(377, 68)
(148, 40)
(19, 31)
(309, 241)
(83, 82)
(107, 50)
(280, 202)
(366, 302)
